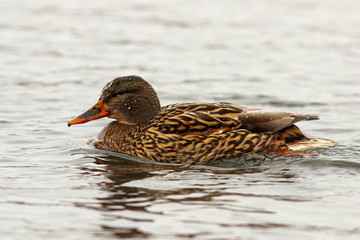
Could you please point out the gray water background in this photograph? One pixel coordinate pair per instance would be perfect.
(299, 56)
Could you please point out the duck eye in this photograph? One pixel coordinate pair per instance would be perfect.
(114, 94)
(121, 92)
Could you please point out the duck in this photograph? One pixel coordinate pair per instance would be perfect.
(186, 133)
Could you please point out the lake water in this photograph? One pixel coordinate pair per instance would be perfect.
(301, 56)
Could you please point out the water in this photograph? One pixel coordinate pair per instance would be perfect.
(300, 56)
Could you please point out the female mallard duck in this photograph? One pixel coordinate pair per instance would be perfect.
(187, 132)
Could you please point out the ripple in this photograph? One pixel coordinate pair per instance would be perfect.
(256, 53)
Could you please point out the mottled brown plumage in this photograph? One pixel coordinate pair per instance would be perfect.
(189, 133)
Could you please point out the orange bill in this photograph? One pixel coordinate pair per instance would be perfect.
(97, 111)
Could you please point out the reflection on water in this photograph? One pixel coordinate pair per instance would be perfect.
(133, 204)
(146, 199)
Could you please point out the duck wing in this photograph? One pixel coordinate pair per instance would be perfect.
(199, 118)
(203, 119)
(270, 121)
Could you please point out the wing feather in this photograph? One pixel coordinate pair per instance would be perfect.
(266, 121)
(203, 119)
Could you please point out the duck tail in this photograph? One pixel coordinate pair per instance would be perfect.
(284, 139)
(297, 141)
(292, 135)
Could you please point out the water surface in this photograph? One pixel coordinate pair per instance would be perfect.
(300, 56)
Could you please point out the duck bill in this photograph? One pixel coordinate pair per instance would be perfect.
(97, 111)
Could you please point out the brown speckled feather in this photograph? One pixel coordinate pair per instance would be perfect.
(194, 133)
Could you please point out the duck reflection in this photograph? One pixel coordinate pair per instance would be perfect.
(119, 169)
(127, 205)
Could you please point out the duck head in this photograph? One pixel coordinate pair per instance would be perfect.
(130, 100)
